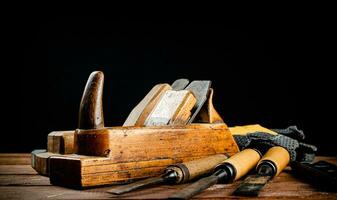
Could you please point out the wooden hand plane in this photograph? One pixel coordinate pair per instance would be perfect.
(94, 155)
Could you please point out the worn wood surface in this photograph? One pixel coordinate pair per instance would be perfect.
(129, 153)
(139, 113)
(91, 106)
(61, 142)
(19, 181)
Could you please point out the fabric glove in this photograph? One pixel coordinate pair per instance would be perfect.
(290, 138)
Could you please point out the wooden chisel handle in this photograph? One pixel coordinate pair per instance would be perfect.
(232, 169)
(243, 162)
(177, 173)
(195, 168)
(278, 157)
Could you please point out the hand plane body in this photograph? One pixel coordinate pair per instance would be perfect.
(95, 155)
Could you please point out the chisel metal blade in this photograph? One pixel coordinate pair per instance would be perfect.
(252, 185)
(200, 90)
(180, 84)
(136, 185)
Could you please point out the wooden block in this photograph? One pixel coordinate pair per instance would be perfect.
(136, 152)
(139, 114)
(174, 108)
(40, 161)
(61, 142)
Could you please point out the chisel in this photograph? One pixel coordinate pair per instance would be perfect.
(271, 165)
(230, 170)
(178, 173)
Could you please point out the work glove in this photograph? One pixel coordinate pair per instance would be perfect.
(289, 138)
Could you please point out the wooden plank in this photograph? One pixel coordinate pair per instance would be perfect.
(20, 180)
(285, 186)
(49, 192)
(16, 169)
(281, 187)
(14, 159)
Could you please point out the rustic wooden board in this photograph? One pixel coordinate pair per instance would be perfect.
(15, 159)
(16, 169)
(285, 186)
(19, 180)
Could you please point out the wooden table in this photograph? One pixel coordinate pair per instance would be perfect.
(19, 181)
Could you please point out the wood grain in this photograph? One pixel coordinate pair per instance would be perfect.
(61, 142)
(16, 169)
(173, 108)
(196, 168)
(284, 186)
(91, 106)
(40, 161)
(94, 142)
(183, 113)
(140, 113)
(19, 180)
(143, 151)
(15, 159)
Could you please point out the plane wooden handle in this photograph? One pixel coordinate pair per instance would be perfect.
(91, 106)
(195, 168)
(243, 162)
(279, 156)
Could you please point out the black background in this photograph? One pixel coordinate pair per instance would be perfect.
(275, 73)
